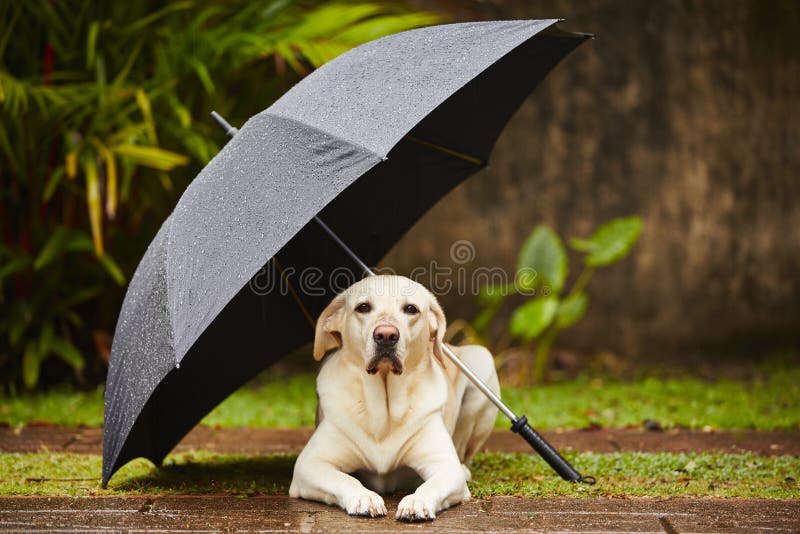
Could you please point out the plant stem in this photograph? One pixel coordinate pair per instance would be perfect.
(543, 354)
(583, 279)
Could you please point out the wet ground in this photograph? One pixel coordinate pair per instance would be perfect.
(498, 514)
(34, 438)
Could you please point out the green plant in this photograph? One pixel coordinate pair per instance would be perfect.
(542, 271)
(103, 122)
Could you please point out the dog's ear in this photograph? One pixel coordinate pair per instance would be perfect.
(328, 334)
(437, 325)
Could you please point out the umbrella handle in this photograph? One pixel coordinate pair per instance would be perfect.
(548, 453)
(520, 426)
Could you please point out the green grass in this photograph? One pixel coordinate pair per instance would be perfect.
(768, 402)
(618, 474)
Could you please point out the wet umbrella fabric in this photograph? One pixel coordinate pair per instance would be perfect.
(369, 141)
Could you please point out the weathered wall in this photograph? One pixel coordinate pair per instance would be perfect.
(686, 113)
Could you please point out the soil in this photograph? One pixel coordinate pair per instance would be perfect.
(41, 437)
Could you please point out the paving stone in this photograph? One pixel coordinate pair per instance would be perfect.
(497, 514)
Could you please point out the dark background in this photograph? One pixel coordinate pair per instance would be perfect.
(685, 113)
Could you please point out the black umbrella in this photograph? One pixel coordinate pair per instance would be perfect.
(367, 143)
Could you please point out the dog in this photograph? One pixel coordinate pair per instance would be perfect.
(394, 412)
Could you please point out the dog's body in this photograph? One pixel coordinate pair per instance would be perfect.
(393, 411)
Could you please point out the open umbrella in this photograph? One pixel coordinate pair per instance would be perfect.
(366, 143)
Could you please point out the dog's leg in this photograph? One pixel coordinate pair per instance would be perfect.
(477, 414)
(318, 477)
(434, 458)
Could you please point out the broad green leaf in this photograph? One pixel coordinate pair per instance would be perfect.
(112, 268)
(581, 245)
(148, 156)
(30, 365)
(532, 318)
(67, 352)
(611, 242)
(544, 253)
(571, 309)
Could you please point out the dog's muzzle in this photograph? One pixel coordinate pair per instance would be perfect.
(385, 337)
(385, 356)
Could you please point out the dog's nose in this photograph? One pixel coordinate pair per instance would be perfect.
(386, 335)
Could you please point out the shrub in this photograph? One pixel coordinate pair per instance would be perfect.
(541, 276)
(105, 121)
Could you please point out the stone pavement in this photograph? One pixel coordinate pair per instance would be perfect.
(497, 514)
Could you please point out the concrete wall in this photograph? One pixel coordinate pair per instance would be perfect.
(686, 113)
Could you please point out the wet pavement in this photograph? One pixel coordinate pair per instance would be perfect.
(498, 514)
(34, 438)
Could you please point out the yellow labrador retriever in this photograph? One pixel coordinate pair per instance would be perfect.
(393, 412)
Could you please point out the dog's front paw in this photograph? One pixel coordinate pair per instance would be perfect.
(368, 504)
(416, 508)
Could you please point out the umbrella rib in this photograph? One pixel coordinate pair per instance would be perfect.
(450, 151)
(294, 294)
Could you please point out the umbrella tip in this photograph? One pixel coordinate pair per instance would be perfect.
(229, 130)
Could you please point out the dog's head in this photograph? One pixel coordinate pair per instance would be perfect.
(391, 321)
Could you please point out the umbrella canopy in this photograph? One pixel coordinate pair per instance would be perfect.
(237, 273)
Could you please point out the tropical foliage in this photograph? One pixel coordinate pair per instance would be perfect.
(541, 277)
(103, 122)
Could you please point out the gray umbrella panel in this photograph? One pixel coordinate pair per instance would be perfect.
(350, 113)
(188, 302)
(398, 80)
(257, 193)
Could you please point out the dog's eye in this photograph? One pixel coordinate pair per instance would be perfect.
(364, 307)
(411, 309)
